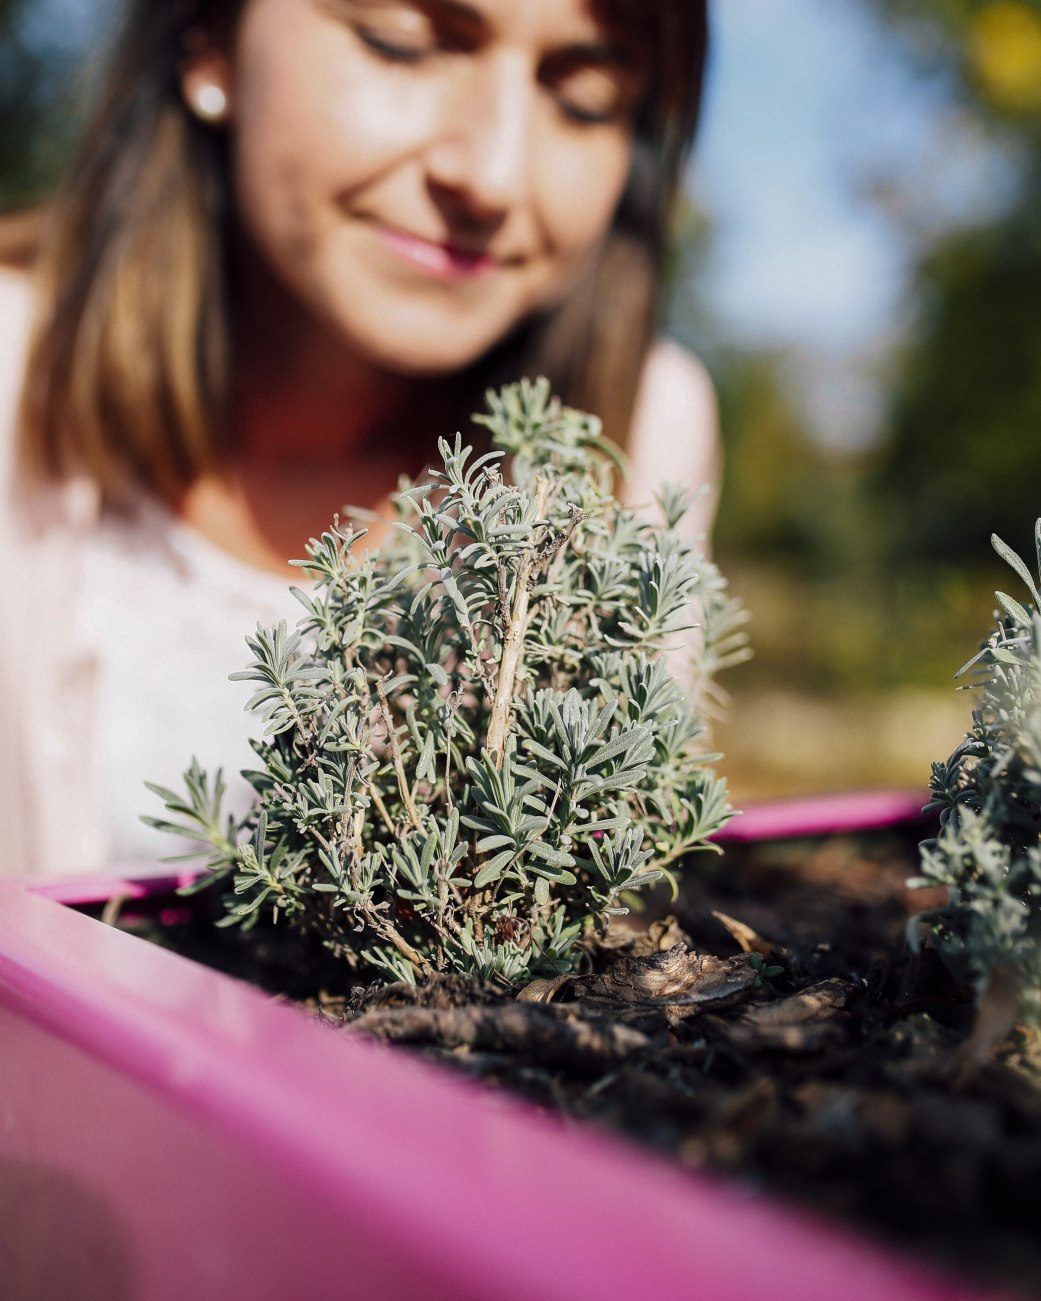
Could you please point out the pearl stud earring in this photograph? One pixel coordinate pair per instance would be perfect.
(210, 103)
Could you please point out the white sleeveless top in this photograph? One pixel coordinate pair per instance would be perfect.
(164, 614)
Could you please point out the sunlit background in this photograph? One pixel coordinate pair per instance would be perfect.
(859, 264)
(862, 276)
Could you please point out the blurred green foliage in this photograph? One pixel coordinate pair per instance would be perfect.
(959, 460)
(873, 572)
(809, 540)
(42, 73)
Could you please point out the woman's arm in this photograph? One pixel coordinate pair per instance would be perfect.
(675, 436)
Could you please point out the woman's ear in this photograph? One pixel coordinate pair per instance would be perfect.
(206, 82)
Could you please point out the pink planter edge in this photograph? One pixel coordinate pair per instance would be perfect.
(469, 1193)
(823, 815)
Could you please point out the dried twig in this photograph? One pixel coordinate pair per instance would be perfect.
(573, 1043)
(513, 641)
(395, 750)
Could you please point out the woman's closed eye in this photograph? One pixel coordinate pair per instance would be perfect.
(590, 84)
(398, 42)
(590, 92)
(404, 32)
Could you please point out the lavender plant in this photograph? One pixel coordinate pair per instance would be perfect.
(988, 851)
(475, 747)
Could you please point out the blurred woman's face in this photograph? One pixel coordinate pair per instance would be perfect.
(422, 174)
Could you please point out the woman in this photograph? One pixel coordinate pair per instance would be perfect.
(301, 238)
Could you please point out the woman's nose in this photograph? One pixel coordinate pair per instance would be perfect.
(482, 149)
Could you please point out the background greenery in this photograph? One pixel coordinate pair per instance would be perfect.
(47, 49)
(869, 574)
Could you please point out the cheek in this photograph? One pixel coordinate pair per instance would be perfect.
(308, 122)
(308, 153)
(301, 78)
(275, 139)
(579, 191)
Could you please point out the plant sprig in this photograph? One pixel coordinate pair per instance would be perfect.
(988, 794)
(474, 745)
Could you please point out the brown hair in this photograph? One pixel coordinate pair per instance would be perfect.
(128, 368)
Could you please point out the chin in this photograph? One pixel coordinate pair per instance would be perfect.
(431, 356)
(433, 367)
(432, 332)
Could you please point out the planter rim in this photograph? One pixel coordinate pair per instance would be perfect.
(830, 813)
(491, 1193)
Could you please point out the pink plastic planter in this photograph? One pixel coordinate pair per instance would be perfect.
(825, 815)
(168, 1132)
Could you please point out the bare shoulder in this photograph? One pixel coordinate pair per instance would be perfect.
(16, 311)
(15, 296)
(672, 374)
(675, 432)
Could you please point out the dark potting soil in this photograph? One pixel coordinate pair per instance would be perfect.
(772, 1026)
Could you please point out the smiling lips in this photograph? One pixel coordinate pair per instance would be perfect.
(441, 261)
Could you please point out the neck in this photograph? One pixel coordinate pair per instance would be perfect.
(299, 393)
(313, 430)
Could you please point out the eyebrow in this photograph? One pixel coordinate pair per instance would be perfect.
(453, 8)
(600, 52)
(610, 52)
(459, 10)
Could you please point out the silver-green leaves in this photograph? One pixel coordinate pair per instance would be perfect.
(988, 852)
(474, 748)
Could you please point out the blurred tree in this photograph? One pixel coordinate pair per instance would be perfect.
(773, 504)
(962, 457)
(42, 57)
(960, 460)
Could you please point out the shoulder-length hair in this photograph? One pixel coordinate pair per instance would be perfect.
(129, 366)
